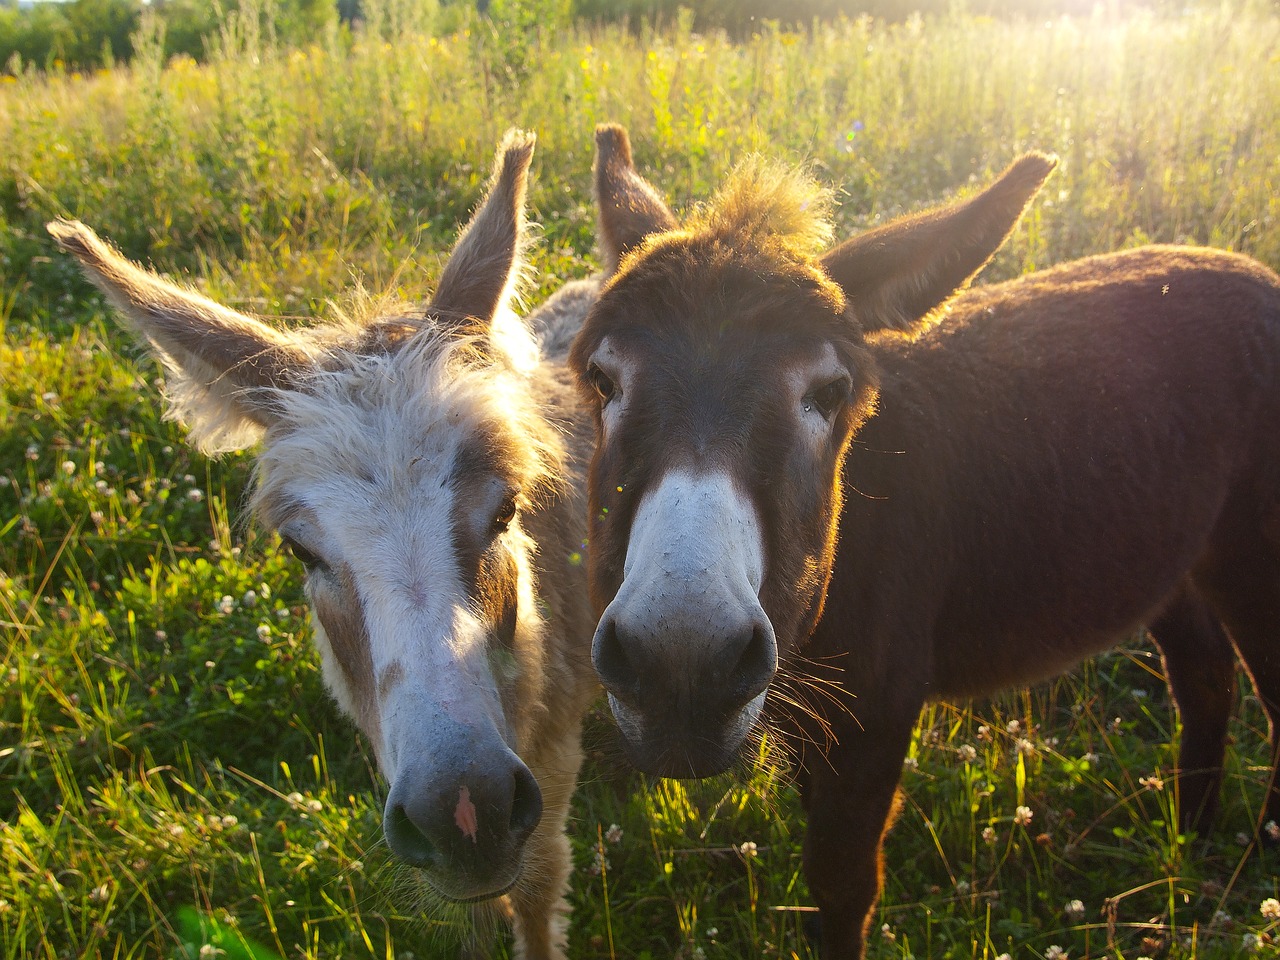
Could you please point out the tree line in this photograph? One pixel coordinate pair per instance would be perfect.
(87, 34)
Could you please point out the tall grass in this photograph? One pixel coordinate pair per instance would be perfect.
(173, 780)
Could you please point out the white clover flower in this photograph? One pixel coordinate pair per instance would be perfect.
(1026, 747)
(1022, 816)
(599, 863)
(226, 605)
(1272, 829)
(613, 834)
(967, 752)
(321, 845)
(887, 932)
(1055, 952)
(315, 806)
(209, 951)
(1014, 727)
(1151, 783)
(195, 494)
(910, 763)
(264, 632)
(250, 598)
(963, 887)
(1004, 956)
(1074, 910)
(1270, 908)
(68, 467)
(748, 849)
(988, 835)
(1251, 942)
(33, 452)
(229, 821)
(294, 797)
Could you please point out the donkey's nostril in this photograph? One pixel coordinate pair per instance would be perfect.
(526, 804)
(757, 663)
(405, 838)
(613, 666)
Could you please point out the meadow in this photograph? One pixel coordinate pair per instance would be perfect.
(174, 781)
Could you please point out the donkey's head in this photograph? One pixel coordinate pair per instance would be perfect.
(729, 365)
(397, 455)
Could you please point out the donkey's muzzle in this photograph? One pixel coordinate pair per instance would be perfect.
(685, 700)
(465, 830)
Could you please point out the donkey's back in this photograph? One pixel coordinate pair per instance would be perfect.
(1069, 448)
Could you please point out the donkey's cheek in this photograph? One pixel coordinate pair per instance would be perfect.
(343, 642)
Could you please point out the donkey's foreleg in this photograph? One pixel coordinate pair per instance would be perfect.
(539, 903)
(1201, 666)
(852, 801)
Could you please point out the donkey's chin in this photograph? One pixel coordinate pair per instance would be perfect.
(684, 748)
(457, 889)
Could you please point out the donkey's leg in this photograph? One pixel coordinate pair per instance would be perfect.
(1244, 587)
(539, 904)
(851, 798)
(1201, 667)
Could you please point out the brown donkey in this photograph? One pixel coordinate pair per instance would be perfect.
(425, 465)
(805, 459)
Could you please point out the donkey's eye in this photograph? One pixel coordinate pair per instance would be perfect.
(605, 388)
(505, 516)
(828, 398)
(309, 560)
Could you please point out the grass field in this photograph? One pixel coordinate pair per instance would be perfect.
(174, 781)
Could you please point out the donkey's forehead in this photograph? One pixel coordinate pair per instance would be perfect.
(696, 288)
(387, 424)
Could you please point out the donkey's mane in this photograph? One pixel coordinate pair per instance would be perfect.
(767, 204)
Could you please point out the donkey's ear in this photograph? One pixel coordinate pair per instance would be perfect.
(484, 267)
(894, 275)
(630, 208)
(223, 366)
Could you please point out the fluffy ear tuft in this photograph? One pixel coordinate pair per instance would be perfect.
(223, 366)
(896, 274)
(484, 268)
(630, 207)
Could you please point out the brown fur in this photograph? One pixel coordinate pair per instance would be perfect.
(1049, 465)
